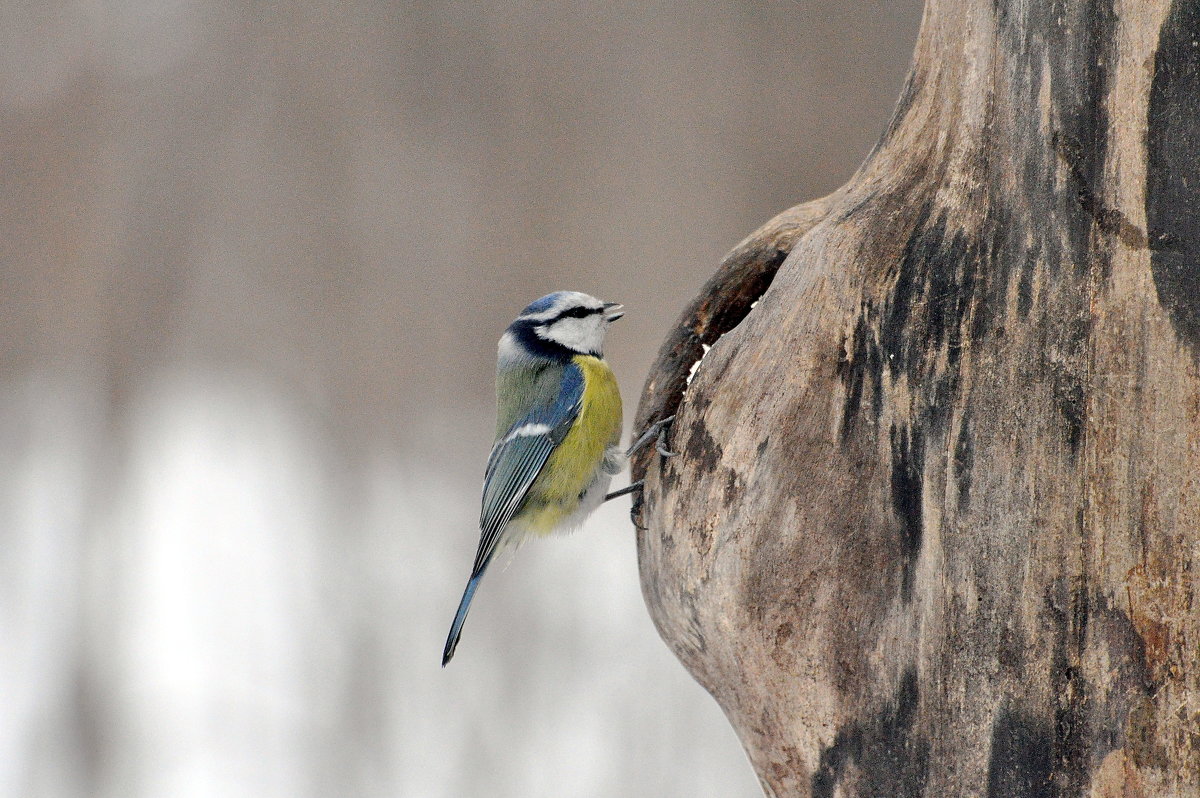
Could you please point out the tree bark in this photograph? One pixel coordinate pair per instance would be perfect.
(935, 525)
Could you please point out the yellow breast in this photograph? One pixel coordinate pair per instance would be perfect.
(574, 466)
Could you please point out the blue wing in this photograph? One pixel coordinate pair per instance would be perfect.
(515, 462)
(518, 458)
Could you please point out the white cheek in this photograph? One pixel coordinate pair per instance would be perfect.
(574, 333)
(581, 335)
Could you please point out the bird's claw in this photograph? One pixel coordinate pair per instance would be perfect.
(660, 446)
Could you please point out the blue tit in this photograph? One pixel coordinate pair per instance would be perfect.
(558, 425)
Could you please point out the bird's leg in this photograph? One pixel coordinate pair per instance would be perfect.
(626, 490)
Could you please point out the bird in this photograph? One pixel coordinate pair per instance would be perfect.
(558, 429)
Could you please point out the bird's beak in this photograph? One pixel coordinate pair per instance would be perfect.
(613, 311)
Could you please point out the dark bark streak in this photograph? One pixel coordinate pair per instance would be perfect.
(1022, 757)
(1052, 752)
(1110, 220)
(964, 459)
(884, 755)
(1073, 696)
(908, 466)
(1173, 171)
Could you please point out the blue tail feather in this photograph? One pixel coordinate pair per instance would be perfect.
(460, 617)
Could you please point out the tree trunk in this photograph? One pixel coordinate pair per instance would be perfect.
(935, 525)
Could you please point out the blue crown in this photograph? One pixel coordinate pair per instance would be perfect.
(543, 304)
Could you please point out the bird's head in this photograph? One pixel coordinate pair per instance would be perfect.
(563, 322)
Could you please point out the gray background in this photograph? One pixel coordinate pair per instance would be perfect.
(255, 258)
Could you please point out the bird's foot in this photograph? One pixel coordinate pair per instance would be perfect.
(660, 445)
(656, 432)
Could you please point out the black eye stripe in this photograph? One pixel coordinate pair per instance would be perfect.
(578, 313)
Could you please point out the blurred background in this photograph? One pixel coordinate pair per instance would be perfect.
(255, 258)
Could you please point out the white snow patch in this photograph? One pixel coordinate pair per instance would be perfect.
(696, 366)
